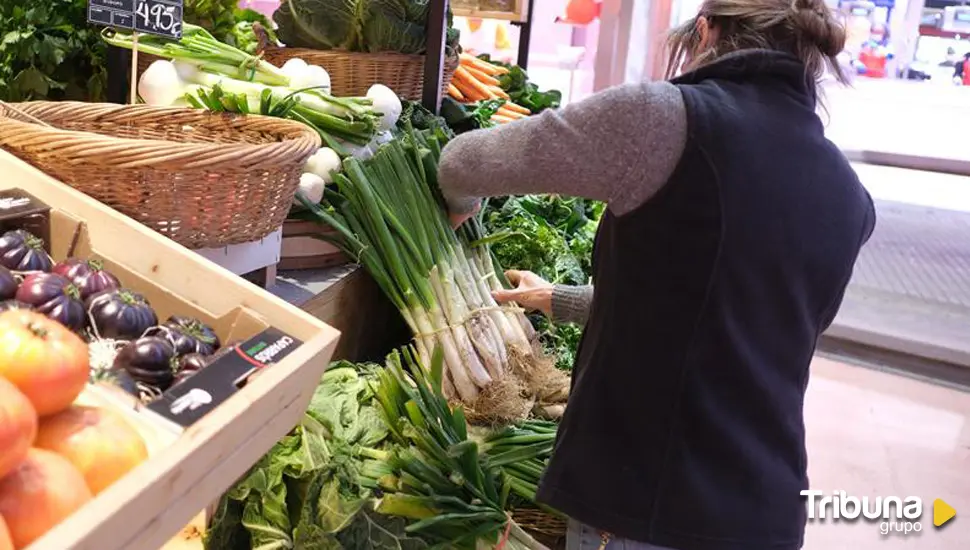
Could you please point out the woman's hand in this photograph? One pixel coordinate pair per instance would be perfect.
(531, 291)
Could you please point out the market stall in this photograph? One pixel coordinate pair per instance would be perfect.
(327, 149)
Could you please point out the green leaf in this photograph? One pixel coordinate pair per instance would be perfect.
(52, 50)
(14, 37)
(31, 83)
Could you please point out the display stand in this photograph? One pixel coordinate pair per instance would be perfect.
(346, 298)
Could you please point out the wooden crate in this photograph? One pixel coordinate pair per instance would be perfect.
(155, 501)
(301, 250)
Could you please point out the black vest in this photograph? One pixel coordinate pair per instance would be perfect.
(685, 424)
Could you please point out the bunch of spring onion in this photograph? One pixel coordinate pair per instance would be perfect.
(454, 495)
(389, 216)
(521, 451)
(205, 73)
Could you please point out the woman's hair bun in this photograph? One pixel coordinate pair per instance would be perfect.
(812, 22)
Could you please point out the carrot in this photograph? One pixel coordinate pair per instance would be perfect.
(463, 75)
(482, 77)
(509, 113)
(501, 119)
(484, 66)
(467, 90)
(454, 92)
(517, 108)
(499, 92)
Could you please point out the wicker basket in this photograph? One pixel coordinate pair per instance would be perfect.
(547, 528)
(203, 179)
(352, 73)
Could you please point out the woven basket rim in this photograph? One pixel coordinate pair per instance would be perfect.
(294, 137)
(373, 55)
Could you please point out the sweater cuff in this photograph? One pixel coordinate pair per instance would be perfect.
(571, 303)
(462, 205)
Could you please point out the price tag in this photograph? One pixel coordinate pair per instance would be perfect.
(160, 17)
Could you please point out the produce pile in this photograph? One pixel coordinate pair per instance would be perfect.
(48, 50)
(207, 74)
(128, 345)
(390, 217)
(56, 454)
(358, 25)
(552, 236)
(484, 93)
(381, 461)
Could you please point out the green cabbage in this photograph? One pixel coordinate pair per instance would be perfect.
(357, 25)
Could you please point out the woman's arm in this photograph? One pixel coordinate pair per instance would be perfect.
(571, 303)
(619, 146)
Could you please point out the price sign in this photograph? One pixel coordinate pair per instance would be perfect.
(160, 17)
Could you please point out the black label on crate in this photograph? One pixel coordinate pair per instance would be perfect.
(160, 17)
(192, 399)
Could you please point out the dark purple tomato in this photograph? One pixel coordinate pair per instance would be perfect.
(192, 336)
(149, 360)
(188, 365)
(192, 362)
(21, 251)
(55, 297)
(8, 284)
(120, 314)
(88, 275)
(13, 304)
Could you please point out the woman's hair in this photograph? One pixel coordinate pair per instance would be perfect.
(806, 29)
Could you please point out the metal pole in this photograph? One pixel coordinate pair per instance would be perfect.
(525, 35)
(434, 59)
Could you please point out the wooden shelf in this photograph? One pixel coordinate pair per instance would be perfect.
(518, 15)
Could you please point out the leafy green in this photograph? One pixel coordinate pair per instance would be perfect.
(358, 25)
(553, 237)
(414, 115)
(523, 92)
(49, 51)
(227, 22)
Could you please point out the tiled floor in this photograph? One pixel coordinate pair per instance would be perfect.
(872, 433)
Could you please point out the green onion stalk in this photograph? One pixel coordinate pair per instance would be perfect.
(219, 77)
(478, 248)
(453, 495)
(388, 216)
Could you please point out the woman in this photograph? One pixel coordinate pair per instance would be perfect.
(732, 228)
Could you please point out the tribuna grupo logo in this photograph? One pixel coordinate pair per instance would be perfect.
(895, 514)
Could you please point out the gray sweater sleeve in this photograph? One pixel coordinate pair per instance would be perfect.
(570, 304)
(619, 146)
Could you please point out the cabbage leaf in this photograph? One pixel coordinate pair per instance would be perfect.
(357, 25)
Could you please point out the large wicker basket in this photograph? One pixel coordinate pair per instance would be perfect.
(352, 73)
(203, 179)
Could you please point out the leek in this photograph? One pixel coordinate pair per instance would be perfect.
(442, 481)
(388, 215)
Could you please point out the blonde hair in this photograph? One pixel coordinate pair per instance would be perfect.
(806, 29)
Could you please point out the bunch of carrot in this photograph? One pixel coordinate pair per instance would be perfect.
(475, 80)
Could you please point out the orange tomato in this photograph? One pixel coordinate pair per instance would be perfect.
(47, 362)
(41, 492)
(6, 543)
(99, 442)
(18, 426)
